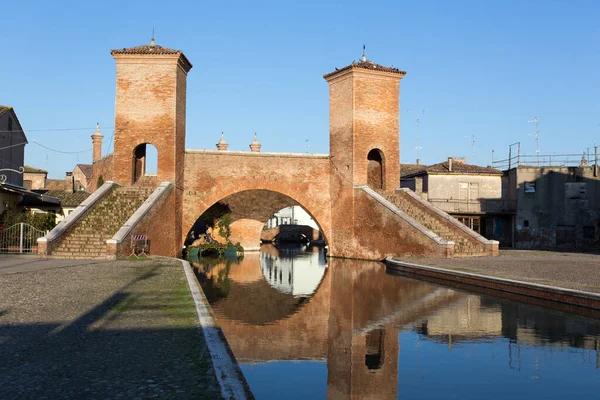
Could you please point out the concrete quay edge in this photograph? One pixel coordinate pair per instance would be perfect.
(545, 292)
(228, 372)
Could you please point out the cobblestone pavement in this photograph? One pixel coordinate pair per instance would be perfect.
(568, 270)
(124, 329)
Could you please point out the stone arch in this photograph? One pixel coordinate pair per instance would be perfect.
(250, 209)
(376, 169)
(142, 163)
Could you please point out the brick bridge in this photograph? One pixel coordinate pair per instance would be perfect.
(352, 193)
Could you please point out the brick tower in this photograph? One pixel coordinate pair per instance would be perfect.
(364, 100)
(150, 109)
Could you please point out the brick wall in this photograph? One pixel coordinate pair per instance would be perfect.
(101, 168)
(376, 125)
(162, 241)
(36, 180)
(380, 233)
(364, 115)
(150, 108)
(78, 175)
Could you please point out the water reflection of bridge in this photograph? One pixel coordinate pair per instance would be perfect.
(354, 317)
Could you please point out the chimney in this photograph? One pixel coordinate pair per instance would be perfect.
(418, 161)
(97, 137)
(69, 182)
(450, 159)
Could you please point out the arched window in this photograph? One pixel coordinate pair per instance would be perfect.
(375, 168)
(145, 161)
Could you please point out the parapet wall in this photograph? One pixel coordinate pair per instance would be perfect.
(153, 219)
(381, 231)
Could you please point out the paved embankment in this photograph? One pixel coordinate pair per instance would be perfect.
(540, 274)
(124, 329)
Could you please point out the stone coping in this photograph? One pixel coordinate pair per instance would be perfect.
(76, 215)
(228, 372)
(140, 213)
(553, 293)
(256, 154)
(390, 206)
(448, 217)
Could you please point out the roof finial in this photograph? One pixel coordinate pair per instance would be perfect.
(152, 42)
(364, 56)
(222, 144)
(97, 131)
(255, 145)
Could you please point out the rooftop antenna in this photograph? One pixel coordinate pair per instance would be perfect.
(364, 55)
(536, 121)
(473, 152)
(418, 147)
(152, 42)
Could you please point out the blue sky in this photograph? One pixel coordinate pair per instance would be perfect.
(478, 68)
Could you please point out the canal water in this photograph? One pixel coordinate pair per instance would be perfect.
(304, 326)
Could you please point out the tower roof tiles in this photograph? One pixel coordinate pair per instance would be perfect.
(366, 64)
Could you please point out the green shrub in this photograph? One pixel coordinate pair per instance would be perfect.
(41, 221)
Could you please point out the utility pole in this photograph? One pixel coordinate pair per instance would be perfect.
(536, 121)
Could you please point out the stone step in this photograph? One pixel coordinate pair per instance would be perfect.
(464, 243)
(88, 238)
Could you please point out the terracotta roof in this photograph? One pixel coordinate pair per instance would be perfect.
(457, 168)
(86, 169)
(55, 184)
(67, 199)
(146, 49)
(33, 170)
(408, 169)
(366, 65)
(152, 48)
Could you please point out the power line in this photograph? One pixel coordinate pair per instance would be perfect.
(71, 152)
(60, 151)
(52, 130)
(88, 129)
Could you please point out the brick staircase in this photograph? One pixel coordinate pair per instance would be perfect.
(465, 244)
(87, 239)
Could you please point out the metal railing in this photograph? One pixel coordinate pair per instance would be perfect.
(586, 158)
(20, 238)
(475, 206)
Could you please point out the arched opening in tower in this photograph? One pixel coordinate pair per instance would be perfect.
(145, 161)
(375, 169)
